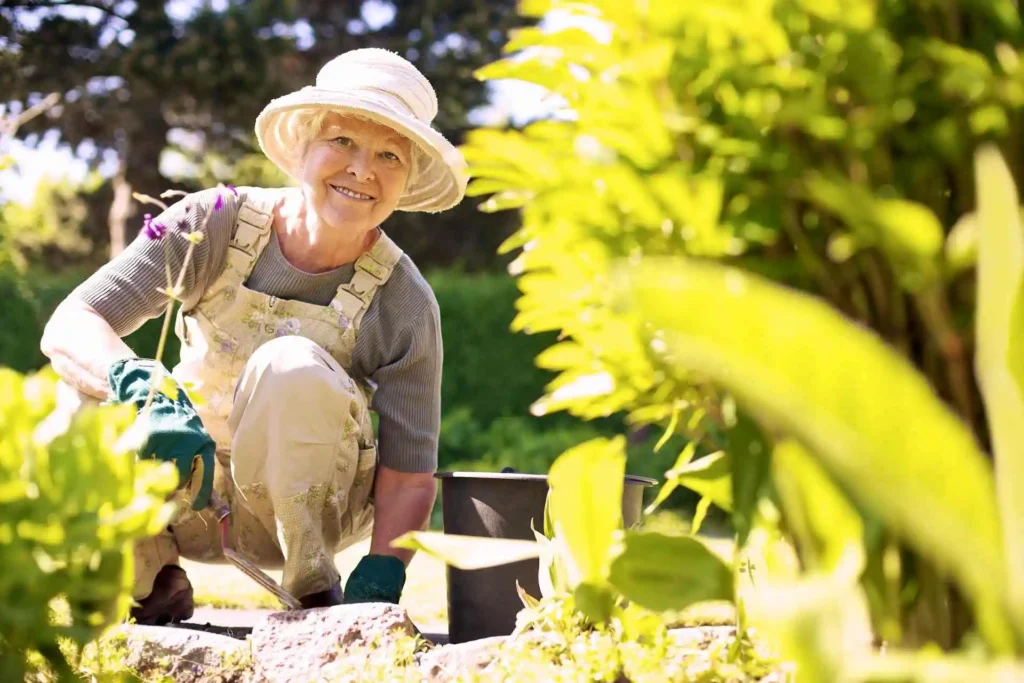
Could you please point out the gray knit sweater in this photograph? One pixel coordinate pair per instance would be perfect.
(398, 345)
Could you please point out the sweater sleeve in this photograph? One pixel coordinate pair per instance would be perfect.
(408, 397)
(126, 290)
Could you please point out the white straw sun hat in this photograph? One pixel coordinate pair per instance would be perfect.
(383, 87)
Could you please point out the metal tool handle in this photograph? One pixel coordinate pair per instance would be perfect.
(246, 566)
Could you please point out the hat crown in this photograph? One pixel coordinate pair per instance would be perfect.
(382, 72)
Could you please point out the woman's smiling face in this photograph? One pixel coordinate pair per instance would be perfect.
(355, 171)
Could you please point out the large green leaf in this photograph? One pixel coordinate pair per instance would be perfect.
(860, 408)
(828, 528)
(468, 552)
(1000, 348)
(662, 572)
(586, 504)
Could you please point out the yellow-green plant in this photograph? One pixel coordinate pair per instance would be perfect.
(706, 150)
(855, 427)
(826, 146)
(72, 501)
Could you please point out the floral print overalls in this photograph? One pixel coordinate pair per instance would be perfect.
(292, 507)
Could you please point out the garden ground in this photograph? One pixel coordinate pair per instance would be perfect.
(424, 597)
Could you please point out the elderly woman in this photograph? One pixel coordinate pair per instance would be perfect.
(299, 315)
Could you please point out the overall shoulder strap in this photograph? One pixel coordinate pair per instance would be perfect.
(373, 269)
(252, 230)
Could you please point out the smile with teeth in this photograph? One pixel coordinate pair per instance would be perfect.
(352, 194)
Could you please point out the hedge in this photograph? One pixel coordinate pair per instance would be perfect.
(489, 379)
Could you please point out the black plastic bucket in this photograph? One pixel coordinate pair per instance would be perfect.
(483, 602)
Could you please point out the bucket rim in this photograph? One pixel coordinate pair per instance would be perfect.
(519, 476)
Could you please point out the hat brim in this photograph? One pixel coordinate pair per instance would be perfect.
(442, 174)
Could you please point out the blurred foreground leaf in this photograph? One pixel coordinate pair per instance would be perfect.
(586, 504)
(468, 552)
(662, 572)
(827, 527)
(872, 421)
(1000, 342)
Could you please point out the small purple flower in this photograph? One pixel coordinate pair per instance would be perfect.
(289, 326)
(218, 203)
(152, 229)
(227, 346)
(343, 321)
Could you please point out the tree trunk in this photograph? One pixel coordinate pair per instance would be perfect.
(139, 172)
(120, 209)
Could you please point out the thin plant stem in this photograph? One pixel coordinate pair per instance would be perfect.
(935, 313)
(172, 296)
(159, 354)
(808, 257)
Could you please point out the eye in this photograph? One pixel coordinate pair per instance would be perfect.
(342, 140)
(391, 156)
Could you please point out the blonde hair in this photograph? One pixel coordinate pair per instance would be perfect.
(307, 125)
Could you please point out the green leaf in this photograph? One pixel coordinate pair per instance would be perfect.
(662, 572)
(1000, 348)
(586, 503)
(817, 624)
(847, 401)
(910, 227)
(482, 186)
(699, 514)
(709, 476)
(750, 465)
(468, 552)
(827, 527)
(510, 199)
(962, 244)
(671, 480)
(192, 391)
(596, 601)
(168, 387)
(551, 574)
(529, 602)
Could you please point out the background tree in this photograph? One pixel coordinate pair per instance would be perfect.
(136, 78)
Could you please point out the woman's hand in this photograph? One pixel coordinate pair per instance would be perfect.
(402, 503)
(87, 354)
(174, 432)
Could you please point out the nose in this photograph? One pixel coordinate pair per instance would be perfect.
(360, 166)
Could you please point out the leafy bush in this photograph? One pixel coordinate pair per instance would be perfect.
(487, 371)
(827, 146)
(71, 504)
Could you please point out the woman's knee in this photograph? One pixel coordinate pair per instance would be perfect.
(296, 366)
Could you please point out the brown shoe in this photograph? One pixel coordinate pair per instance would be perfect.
(169, 602)
(327, 598)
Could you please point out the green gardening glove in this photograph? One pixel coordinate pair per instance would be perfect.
(176, 434)
(377, 578)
